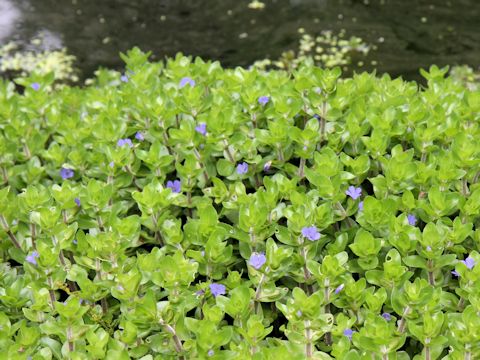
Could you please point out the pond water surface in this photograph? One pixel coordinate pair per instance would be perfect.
(408, 34)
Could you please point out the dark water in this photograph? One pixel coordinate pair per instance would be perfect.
(415, 33)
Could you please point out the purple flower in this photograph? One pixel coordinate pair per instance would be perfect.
(217, 289)
(75, 241)
(122, 142)
(267, 165)
(201, 128)
(412, 220)
(174, 185)
(211, 352)
(66, 173)
(360, 206)
(35, 86)
(348, 333)
(387, 316)
(111, 164)
(200, 292)
(242, 168)
(257, 260)
(429, 248)
(77, 201)
(139, 136)
(316, 116)
(469, 262)
(455, 273)
(339, 288)
(186, 80)
(354, 192)
(124, 78)
(263, 100)
(299, 313)
(32, 258)
(311, 233)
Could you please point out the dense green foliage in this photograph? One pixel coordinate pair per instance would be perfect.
(186, 211)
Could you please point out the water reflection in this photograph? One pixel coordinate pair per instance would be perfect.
(9, 15)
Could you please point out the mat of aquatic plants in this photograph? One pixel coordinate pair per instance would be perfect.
(179, 210)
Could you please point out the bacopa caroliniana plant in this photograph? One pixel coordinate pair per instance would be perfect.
(183, 211)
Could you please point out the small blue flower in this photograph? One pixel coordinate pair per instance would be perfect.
(257, 260)
(123, 142)
(348, 333)
(139, 136)
(387, 316)
(429, 248)
(469, 262)
(217, 289)
(32, 258)
(354, 192)
(242, 168)
(339, 288)
(124, 78)
(455, 273)
(360, 206)
(211, 352)
(412, 220)
(311, 233)
(77, 201)
(200, 292)
(299, 313)
(174, 185)
(66, 173)
(75, 241)
(186, 80)
(263, 100)
(35, 86)
(111, 164)
(201, 128)
(267, 165)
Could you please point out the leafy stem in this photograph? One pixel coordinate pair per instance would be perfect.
(176, 340)
(51, 292)
(431, 279)
(103, 301)
(328, 335)
(308, 338)
(301, 168)
(403, 320)
(427, 352)
(158, 237)
(280, 156)
(202, 165)
(229, 153)
(12, 237)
